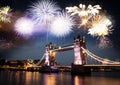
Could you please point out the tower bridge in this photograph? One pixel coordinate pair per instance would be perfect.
(81, 55)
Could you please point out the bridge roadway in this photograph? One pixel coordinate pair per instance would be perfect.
(65, 48)
(87, 68)
(103, 65)
(88, 65)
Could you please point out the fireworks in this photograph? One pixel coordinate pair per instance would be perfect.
(85, 13)
(62, 25)
(104, 42)
(24, 26)
(49, 15)
(4, 14)
(100, 27)
(44, 11)
(90, 17)
(97, 23)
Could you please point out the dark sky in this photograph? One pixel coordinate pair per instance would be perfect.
(34, 47)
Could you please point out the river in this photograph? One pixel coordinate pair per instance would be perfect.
(62, 78)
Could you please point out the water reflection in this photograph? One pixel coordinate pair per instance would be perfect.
(32, 78)
(77, 80)
(50, 79)
(36, 78)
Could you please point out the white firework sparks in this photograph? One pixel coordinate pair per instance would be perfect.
(5, 14)
(44, 11)
(96, 22)
(24, 26)
(62, 25)
(101, 27)
(84, 12)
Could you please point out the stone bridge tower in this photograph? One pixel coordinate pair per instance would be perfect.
(79, 54)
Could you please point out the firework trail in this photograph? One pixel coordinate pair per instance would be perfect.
(44, 11)
(5, 14)
(62, 25)
(24, 26)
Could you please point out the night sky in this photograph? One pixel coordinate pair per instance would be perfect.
(13, 46)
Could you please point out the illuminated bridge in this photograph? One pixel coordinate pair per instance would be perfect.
(84, 60)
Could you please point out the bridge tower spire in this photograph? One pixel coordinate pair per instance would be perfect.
(79, 55)
(50, 55)
(47, 62)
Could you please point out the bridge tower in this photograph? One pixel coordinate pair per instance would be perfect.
(79, 54)
(79, 57)
(50, 55)
(47, 62)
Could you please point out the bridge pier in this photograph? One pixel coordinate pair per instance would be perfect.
(79, 57)
(50, 55)
(80, 69)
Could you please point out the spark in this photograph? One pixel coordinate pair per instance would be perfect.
(62, 25)
(24, 26)
(90, 17)
(101, 27)
(5, 14)
(84, 12)
(94, 20)
(44, 11)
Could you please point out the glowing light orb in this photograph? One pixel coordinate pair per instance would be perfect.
(24, 26)
(62, 25)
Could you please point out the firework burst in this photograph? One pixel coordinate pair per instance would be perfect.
(24, 26)
(5, 14)
(101, 26)
(62, 25)
(84, 12)
(44, 11)
(94, 20)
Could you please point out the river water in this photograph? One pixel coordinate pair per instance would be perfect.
(63, 78)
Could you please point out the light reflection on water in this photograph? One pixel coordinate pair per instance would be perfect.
(36, 78)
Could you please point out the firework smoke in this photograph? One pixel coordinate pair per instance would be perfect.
(5, 14)
(104, 42)
(62, 25)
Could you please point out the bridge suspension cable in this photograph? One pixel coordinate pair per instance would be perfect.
(102, 60)
(40, 59)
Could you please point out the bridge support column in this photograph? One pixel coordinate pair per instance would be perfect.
(79, 57)
(50, 55)
(77, 52)
(47, 62)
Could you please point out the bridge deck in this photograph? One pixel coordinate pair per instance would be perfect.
(99, 65)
